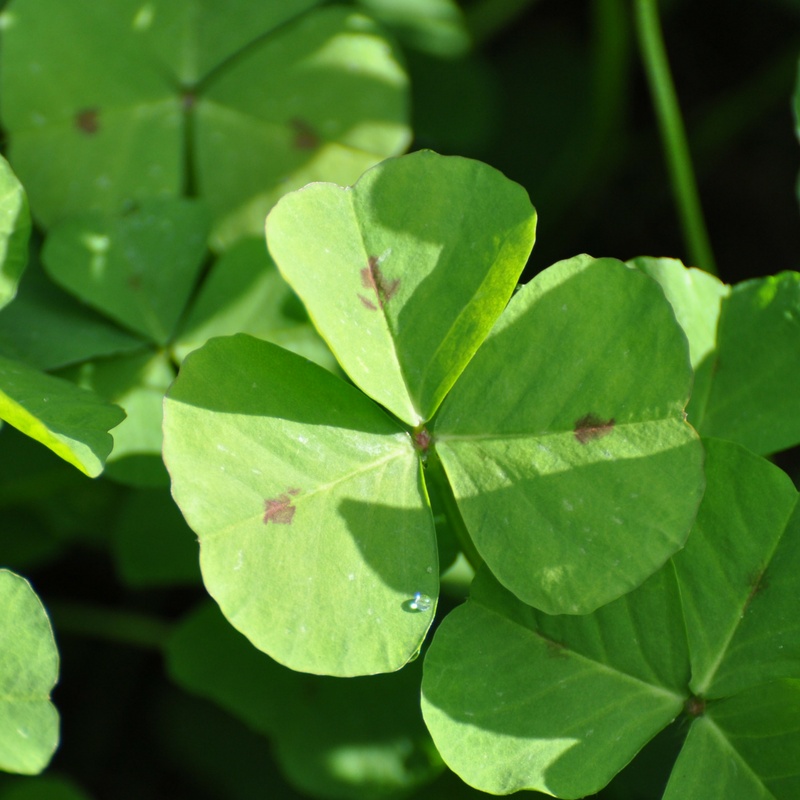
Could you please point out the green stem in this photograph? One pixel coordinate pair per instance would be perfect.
(673, 134)
(111, 625)
(434, 471)
(486, 18)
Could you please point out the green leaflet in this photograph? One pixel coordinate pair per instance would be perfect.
(308, 500)
(405, 273)
(695, 297)
(15, 228)
(28, 672)
(747, 389)
(244, 293)
(740, 575)
(515, 698)
(433, 26)
(745, 344)
(565, 441)
(747, 747)
(114, 103)
(136, 382)
(360, 738)
(71, 421)
(48, 329)
(138, 268)
(48, 787)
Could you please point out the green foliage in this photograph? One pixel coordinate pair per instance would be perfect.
(291, 478)
(28, 672)
(405, 448)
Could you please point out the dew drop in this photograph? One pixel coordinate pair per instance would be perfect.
(421, 602)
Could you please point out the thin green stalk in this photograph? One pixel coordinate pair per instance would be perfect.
(486, 18)
(434, 471)
(107, 624)
(673, 135)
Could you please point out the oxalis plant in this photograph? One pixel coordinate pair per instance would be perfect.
(551, 430)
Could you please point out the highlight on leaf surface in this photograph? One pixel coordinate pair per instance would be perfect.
(28, 672)
(15, 228)
(517, 699)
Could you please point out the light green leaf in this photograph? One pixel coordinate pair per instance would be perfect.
(194, 36)
(138, 268)
(740, 575)
(15, 228)
(695, 297)
(28, 672)
(361, 738)
(47, 328)
(515, 699)
(745, 747)
(747, 389)
(405, 273)
(244, 293)
(325, 100)
(433, 26)
(72, 422)
(136, 382)
(152, 545)
(565, 441)
(308, 500)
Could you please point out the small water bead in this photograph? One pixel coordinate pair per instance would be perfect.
(421, 602)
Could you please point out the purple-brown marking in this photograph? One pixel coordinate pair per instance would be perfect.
(135, 282)
(592, 427)
(88, 121)
(293, 491)
(422, 440)
(555, 649)
(189, 99)
(305, 137)
(695, 706)
(373, 278)
(279, 510)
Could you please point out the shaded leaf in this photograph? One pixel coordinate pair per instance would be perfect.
(152, 545)
(434, 26)
(747, 390)
(48, 787)
(138, 268)
(325, 100)
(28, 672)
(308, 501)
(360, 738)
(71, 421)
(244, 293)
(746, 746)
(137, 383)
(574, 469)
(515, 699)
(740, 575)
(15, 228)
(695, 297)
(405, 273)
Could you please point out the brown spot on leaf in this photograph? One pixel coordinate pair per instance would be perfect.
(279, 510)
(758, 583)
(305, 137)
(555, 649)
(373, 278)
(135, 282)
(592, 427)
(695, 706)
(88, 121)
(293, 491)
